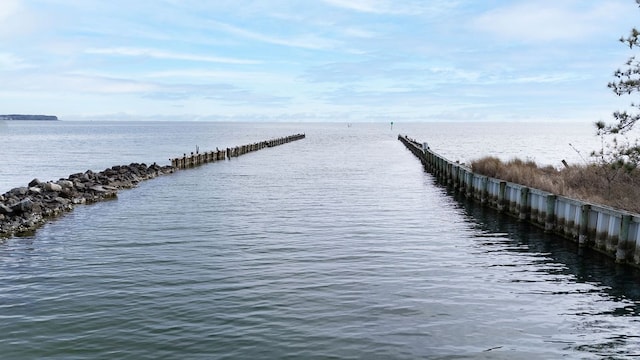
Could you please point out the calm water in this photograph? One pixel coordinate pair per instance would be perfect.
(336, 246)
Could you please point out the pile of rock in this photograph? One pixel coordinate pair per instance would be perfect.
(24, 209)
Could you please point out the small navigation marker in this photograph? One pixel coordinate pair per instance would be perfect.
(392, 125)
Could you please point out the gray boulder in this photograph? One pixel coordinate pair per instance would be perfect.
(52, 187)
(5, 210)
(99, 188)
(61, 200)
(23, 206)
(66, 184)
(19, 191)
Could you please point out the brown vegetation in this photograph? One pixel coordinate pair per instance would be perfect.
(598, 184)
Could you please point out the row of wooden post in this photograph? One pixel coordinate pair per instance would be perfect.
(613, 232)
(197, 158)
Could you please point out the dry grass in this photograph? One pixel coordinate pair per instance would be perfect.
(591, 183)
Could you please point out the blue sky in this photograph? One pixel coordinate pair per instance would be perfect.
(314, 60)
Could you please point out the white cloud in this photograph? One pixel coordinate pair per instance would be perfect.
(359, 33)
(160, 54)
(8, 9)
(308, 41)
(15, 18)
(10, 62)
(84, 84)
(149, 88)
(317, 56)
(546, 78)
(247, 77)
(390, 7)
(369, 6)
(536, 21)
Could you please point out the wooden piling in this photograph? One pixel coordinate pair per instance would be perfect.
(583, 237)
(624, 243)
(550, 215)
(524, 209)
(612, 232)
(199, 159)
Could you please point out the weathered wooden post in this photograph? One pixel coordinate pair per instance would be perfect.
(524, 209)
(484, 195)
(624, 243)
(550, 214)
(429, 159)
(454, 177)
(461, 177)
(448, 173)
(469, 187)
(583, 237)
(502, 196)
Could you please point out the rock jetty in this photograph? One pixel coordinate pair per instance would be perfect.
(24, 209)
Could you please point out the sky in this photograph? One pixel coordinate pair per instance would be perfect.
(314, 60)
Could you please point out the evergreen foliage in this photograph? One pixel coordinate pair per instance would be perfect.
(621, 154)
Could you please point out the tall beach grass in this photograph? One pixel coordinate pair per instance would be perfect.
(594, 183)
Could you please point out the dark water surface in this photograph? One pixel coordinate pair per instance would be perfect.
(337, 246)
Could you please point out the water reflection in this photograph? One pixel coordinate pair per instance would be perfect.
(606, 290)
(561, 256)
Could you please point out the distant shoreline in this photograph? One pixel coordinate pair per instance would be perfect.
(29, 117)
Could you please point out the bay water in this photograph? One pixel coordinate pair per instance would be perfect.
(337, 246)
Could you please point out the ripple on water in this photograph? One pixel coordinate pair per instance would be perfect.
(338, 246)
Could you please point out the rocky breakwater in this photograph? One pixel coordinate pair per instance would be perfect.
(24, 209)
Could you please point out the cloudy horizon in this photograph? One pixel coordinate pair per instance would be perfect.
(321, 60)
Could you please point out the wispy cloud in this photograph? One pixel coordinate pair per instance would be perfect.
(534, 21)
(409, 57)
(368, 6)
(390, 7)
(161, 54)
(397, 71)
(9, 9)
(170, 93)
(103, 84)
(248, 77)
(11, 62)
(359, 33)
(547, 78)
(305, 41)
(16, 18)
(223, 93)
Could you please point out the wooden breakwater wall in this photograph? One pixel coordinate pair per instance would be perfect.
(197, 159)
(615, 233)
(24, 209)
